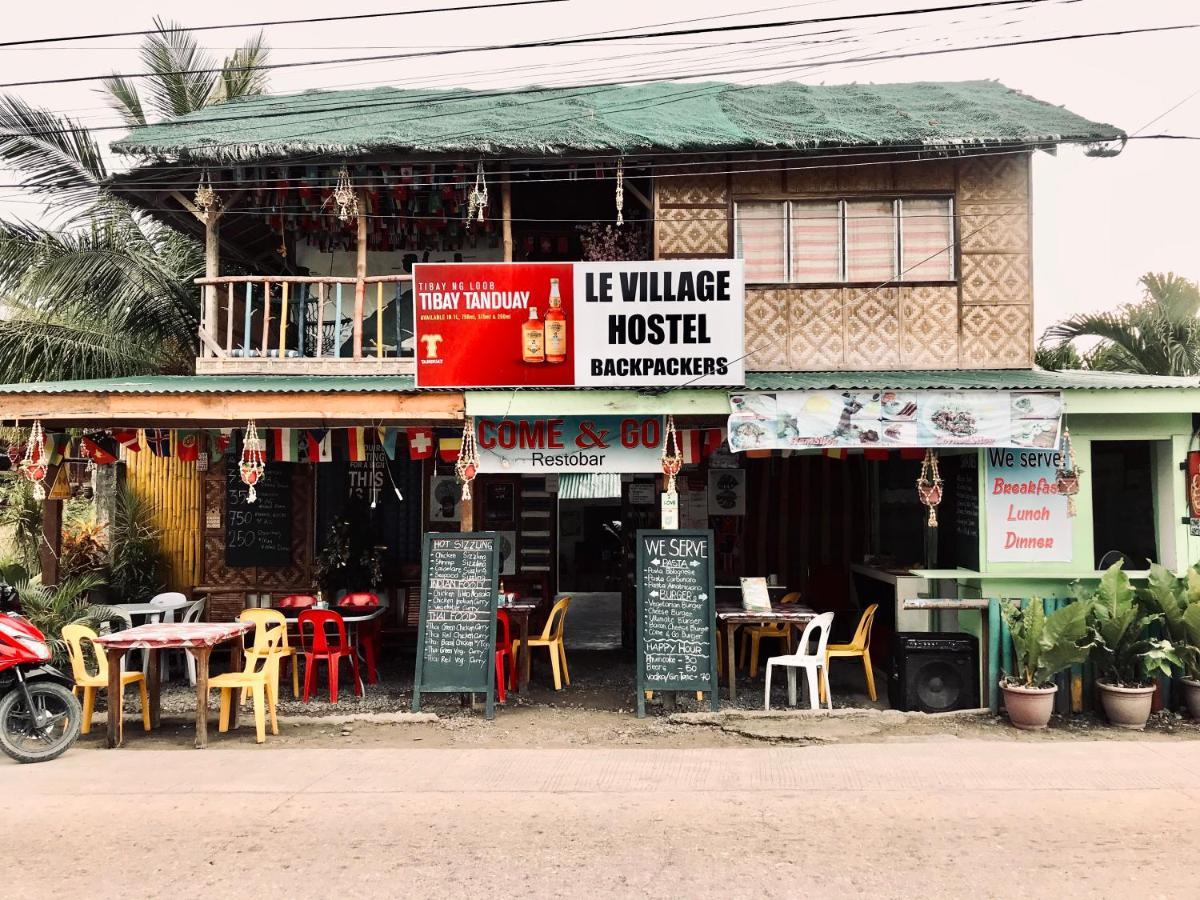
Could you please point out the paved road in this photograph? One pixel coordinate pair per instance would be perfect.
(951, 818)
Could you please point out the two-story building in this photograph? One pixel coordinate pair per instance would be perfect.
(885, 234)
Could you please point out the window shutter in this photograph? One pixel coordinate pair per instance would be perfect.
(870, 240)
(816, 242)
(927, 238)
(760, 241)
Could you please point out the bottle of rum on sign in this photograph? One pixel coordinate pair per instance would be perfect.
(556, 327)
(533, 339)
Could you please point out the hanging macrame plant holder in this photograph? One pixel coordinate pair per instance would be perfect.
(929, 486)
(477, 200)
(1066, 476)
(672, 455)
(343, 197)
(34, 465)
(206, 201)
(467, 465)
(620, 192)
(252, 467)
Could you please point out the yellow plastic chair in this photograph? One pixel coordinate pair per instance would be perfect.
(272, 618)
(262, 670)
(552, 639)
(776, 631)
(74, 636)
(860, 645)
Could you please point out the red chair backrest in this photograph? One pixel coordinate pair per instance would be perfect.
(297, 601)
(318, 619)
(503, 630)
(359, 599)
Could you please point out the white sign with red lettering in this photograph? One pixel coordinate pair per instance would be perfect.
(1027, 518)
(570, 444)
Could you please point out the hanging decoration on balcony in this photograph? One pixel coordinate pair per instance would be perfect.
(252, 467)
(15, 451)
(206, 201)
(672, 455)
(467, 464)
(929, 486)
(1066, 480)
(620, 192)
(34, 465)
(477, 200)
(343, 197)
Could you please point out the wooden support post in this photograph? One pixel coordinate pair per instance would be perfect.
(506, 212)
(212, 269)
(283, 320)
(379, 320)
(266, 335)
(51, 545)
(360, 273)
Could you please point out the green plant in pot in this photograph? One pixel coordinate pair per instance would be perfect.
(1126, 657)
(1043, 646)
(1178, 600)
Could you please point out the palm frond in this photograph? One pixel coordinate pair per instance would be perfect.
(51, 154)
(242, 74)
(168, 53)
(122, 95)
(51, 350)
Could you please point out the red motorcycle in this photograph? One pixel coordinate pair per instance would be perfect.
(39, 716)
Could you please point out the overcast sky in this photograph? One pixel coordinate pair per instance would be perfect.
(1099, 223)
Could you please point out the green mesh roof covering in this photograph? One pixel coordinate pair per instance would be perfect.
(625, 119)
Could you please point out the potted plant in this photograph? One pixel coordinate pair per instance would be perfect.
(1127, 658)
(1043, 646)
(1178, 600)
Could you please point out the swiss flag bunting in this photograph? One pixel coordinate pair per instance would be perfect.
(420, 443)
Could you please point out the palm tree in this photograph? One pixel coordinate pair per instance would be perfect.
(1158, 336)
(109, 292)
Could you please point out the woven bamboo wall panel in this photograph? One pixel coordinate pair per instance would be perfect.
(859, 179)
(767, 329)
(757, 177)
(816, 329)
(692, 231)
(996, 337)
(819, 179)
(993, 179)
(924, 175)
(872, 328)
(928, 327)
(994, 227)
(692, 187)
(990, 278)
(173, 489)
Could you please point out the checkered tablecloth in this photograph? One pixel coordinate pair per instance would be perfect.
(162, 635)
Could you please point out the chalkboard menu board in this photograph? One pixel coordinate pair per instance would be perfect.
(258, 534)
(676, 614)
(456, 635)
(966, 513)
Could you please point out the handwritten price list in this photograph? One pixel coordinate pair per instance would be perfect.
(676, 637)
(258, 533)
(458, 619)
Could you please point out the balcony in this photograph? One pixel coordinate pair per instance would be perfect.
(305, 325)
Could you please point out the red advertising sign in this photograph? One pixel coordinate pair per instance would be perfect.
(480, 324)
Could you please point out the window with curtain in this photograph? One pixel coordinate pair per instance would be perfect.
(761, 240)
(846, 241)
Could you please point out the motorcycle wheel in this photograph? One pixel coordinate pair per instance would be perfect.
(59, 713)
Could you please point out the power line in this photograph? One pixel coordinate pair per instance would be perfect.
(555, 42)
(359, 16)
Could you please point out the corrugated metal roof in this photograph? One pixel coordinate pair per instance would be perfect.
(972, 379)
(221, 384)
(620, 118)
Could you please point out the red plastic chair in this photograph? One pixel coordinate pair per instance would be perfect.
(368, 635)
(504, 654)
(319, 647)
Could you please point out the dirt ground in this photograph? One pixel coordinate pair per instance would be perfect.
(598, 710)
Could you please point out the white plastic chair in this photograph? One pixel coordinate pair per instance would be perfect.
(809, 662)
(169, 598)
(193, 614)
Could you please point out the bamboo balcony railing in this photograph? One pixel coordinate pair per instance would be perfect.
(279, 324)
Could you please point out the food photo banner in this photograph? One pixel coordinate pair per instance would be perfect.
(795, 420)
(583, 324)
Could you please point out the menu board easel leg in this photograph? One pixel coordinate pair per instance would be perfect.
(416, 704)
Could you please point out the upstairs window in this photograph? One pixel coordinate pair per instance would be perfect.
(855, 241)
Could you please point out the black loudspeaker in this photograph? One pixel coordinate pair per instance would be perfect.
(934, 672)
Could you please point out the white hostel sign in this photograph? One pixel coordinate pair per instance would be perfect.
(1027, 518)
(650, 324)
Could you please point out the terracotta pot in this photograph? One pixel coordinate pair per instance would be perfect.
(1028, 708)
(1126, 707)
(1191, 696)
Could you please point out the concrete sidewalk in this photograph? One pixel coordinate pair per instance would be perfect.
(898, 819)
